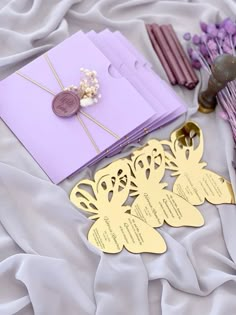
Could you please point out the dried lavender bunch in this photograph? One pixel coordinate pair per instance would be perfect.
(216, 39)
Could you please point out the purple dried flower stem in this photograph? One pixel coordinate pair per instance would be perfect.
(232, 115)
(229, 107)
(227, 101)
(219, 46)
(204, 64)
(233, 88)
(211, 54)
(224, 44)
(232, 45)
(203, 61)
(226, 95)
(231, 119)
(226, 91)
(208, 50)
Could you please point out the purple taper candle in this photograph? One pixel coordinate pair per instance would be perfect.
(175, 51)
(194, 80)
(170, 57)
(161, 56)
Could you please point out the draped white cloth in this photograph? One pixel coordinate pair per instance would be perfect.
(47, 266)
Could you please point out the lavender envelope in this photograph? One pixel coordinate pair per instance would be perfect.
(124, 55)
(141, 59)
(178, 108)
(160, 111)
(138, 71)
(124, 61)
(60, 145)
(135, 68)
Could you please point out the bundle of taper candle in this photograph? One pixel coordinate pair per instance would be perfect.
(172, 56)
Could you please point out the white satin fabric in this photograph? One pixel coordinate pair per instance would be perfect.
(47, 266)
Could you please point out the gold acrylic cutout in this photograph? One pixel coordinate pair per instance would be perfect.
(114, 227)
(194, 183)
(154, 204)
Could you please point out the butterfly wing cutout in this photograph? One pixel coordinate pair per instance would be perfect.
(194, 183)
(186, 149)
(147, 166)
(114, 229)
(154, 204)
(111, 234)
(205, 185)
(109, 190)
(83, 197)
(189, 136)
(112, 184)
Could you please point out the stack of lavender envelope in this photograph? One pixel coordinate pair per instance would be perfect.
(134, 101)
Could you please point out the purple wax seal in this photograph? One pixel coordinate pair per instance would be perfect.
(66, 104)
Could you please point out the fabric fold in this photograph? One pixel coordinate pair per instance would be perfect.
(47, 266)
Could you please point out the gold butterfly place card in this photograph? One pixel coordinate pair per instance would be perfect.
(121, 225)
(194, 183)
(114, 228)
(155, 204)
